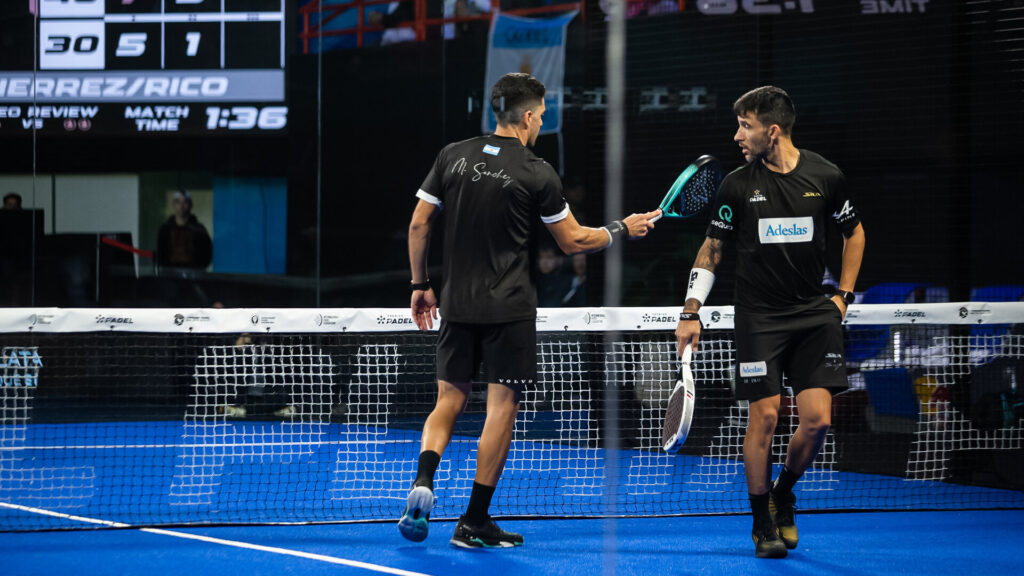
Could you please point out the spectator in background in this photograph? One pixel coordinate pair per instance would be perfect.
(465, 9)
(182, 241)
(556, 286)
(395, 14)
(12, 201)
(15, 263)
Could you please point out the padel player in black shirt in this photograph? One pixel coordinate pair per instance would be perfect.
(491, 192)
(776, 210)
(485, 185)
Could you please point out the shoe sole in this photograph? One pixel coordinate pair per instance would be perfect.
(478, 543)
(773, 552)
(777, 549)
(415, 522)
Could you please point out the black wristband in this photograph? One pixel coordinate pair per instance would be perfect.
(425, 285)
(691, 316)
(614, 229)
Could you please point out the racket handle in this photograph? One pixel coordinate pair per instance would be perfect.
(656, 218)
(687, 354)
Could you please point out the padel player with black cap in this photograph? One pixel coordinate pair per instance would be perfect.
(776, 209)
(491, 193)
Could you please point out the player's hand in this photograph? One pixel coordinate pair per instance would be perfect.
(687, 332)
(424, 308)
(638, 225)
(840, 303)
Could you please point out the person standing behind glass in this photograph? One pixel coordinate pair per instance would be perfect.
(183, 241)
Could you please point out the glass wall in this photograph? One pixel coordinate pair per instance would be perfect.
(266, 153)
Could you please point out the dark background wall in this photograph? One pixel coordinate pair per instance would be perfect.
(921, 110)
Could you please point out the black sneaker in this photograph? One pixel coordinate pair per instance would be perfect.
(783, 508)
(487, 535)
(767, 542)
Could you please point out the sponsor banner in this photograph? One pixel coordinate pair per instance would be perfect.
(383, 320)
(19, 367)
(332, 320)
(627, 319)
(718, 317)
(970, 313)
(27, 319)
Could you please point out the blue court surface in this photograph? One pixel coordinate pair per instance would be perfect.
(926, 543)
(112, 475)
(169, 473)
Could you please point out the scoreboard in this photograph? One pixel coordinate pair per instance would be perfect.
(148, 66)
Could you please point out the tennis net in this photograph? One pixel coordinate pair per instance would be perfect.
(145, 417)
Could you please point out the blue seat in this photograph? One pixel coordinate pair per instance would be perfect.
(999, 293)
(893, 405)
(891, 392)
(870, 340)
(893, 292)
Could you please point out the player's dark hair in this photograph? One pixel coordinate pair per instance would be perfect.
(12, 195)
(771, 105)
(513, 95)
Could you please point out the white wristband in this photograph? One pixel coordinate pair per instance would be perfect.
(701, 281)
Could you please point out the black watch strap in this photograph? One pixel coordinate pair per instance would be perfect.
(848, 297)
(414, 286)
(691, 316)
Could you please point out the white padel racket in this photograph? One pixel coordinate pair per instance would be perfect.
(679, 413)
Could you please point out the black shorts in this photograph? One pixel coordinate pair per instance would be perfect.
(508, 352)
(806, 346)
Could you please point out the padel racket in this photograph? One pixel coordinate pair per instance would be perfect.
(692, 190)
(679, 413)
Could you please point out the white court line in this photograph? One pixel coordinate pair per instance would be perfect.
(221, 541)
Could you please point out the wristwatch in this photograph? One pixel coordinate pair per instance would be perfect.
(848, 297)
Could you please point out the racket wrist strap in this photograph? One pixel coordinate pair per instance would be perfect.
(700, 284)
(615, 229)
(691, 316)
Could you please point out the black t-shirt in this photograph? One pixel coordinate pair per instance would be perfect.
(778, 223)
(493, 192)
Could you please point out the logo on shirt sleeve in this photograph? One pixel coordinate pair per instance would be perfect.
(785, 230)
(844, 213)
(492, 150)
(725, 213)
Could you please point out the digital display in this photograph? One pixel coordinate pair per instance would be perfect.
(149, 66)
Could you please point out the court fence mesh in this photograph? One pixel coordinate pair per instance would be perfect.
(143, 417)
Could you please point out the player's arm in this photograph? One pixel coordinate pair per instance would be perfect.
(573, 238)
(424, 301)
(853, 255)
(702, 278)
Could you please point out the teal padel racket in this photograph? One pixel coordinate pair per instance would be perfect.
(692, 190)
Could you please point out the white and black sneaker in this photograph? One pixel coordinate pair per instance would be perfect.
(414, 523)
(486, 535)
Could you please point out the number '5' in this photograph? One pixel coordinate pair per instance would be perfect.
(131, 44)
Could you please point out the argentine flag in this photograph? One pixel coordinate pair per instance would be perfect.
(531, 45)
